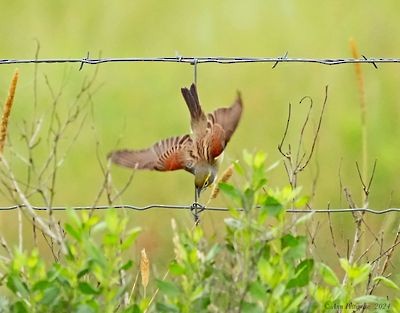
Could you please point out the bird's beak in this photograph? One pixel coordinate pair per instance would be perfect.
(197, 192)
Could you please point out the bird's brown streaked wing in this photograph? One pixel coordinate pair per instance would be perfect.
(223, 123)
(166, 155)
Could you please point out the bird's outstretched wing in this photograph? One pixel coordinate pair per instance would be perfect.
(223, 123)
(166, 155)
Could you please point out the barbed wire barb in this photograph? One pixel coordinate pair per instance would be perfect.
(281, 58)
(82, 63)
(373, 63)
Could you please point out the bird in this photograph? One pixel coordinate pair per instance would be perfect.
(199, 152)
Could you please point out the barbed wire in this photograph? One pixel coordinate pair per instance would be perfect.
(211, 59)
(189, 207)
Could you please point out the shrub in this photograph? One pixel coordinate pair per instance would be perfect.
(262, 265)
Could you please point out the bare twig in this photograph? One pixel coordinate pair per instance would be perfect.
(317, 131)
(3, 243)
(44, 226)
(303, 128)
(389, 252)
(366, 186)
(293, 166)
(285, 133)
(332, 233)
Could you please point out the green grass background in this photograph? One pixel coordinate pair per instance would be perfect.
(142, 103)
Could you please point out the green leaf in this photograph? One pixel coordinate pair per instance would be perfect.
(166, 308)
(213, 252)
(84, 308)
(197, 234)
(294, 247)
(19, 307)
(260, 183)
(201, 304)
(168, 288)
(248, 307)
(302, 274)
(259, 159)
(15, 284)
(265, 271)
(257, 290)
(362, 273)
(271, 206)
(301, 201)
(345, 264)
(83, 272)
(98, 228)
(112, 221)
(50, 295)
(248, 157)
(176, 269)
(396, 305)
(328, 275)
(132, 309)
(387, 282)
(41, 285)
(74, 218)
(111, 239)
(87, 289)
(294, 304)
(127, 265)
(356, 274)
(92, 221)
(73, 232)
(289, 194)
(130, 238)
(96, 254)
(238, 168)
(248, 199)
(230, 191)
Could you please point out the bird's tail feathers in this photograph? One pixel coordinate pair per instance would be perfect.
(192, 101)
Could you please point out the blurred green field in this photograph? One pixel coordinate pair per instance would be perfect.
(136, 104)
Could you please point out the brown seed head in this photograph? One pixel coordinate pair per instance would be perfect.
(7, 110)
(144, 268)
(226, 175)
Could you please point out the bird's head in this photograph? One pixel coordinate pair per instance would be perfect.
(204, 176)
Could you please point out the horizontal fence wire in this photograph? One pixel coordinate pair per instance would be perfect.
(213, 59)
(189, 207)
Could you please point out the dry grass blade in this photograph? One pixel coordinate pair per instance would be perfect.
(144, 270)
(7, 110)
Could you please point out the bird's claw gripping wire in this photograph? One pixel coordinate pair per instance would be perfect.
(196, 208)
